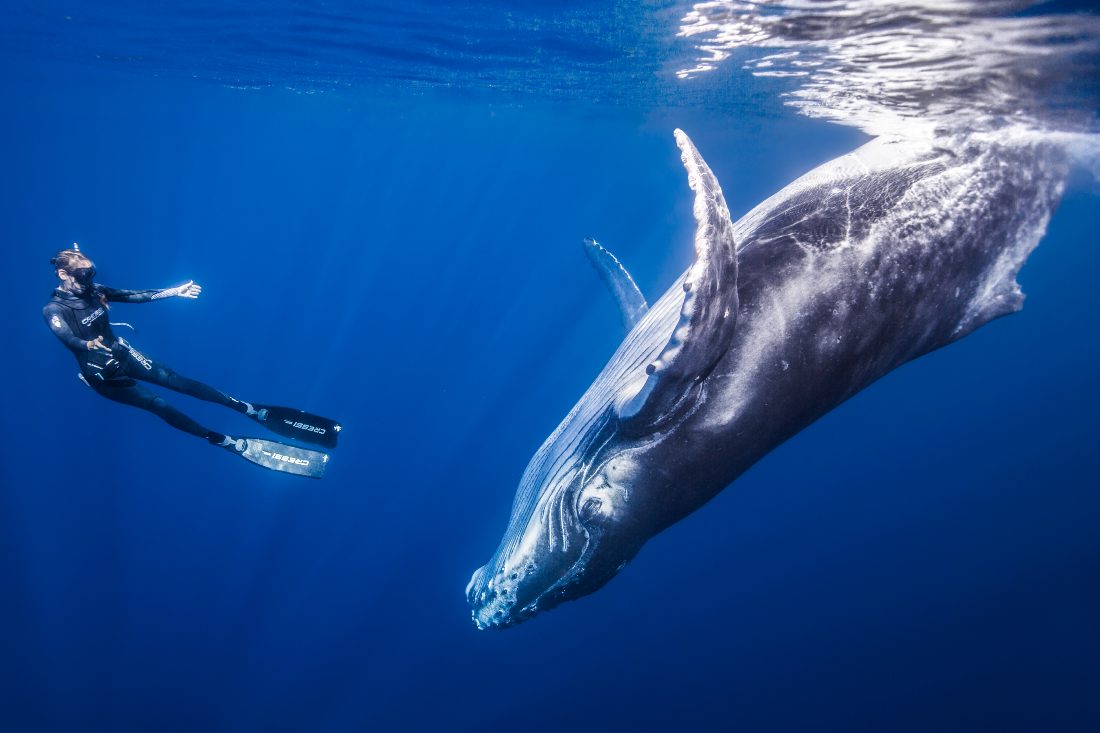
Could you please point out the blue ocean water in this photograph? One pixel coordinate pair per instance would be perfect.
(385, 207)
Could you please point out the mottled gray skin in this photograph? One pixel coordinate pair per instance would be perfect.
(858, 267)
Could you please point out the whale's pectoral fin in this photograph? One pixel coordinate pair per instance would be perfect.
(632, 304)
(709, 313)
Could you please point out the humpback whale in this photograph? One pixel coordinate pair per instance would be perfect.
(863, 264)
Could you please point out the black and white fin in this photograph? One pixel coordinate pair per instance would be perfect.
(296, 424)
(277, 456)
(709, 313)
(632, 305)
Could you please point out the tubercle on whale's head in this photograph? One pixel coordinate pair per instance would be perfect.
(575, 541)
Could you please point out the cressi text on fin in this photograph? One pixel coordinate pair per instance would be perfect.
(296, 424)
(278, 456)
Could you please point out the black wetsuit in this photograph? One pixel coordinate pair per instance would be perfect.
(78, 319)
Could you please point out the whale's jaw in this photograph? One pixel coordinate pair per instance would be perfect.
(516, 591)
(580, 535)
(495, 606)
(495, 601)
(491, 606)
(512, 589)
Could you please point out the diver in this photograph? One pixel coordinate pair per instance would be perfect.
(78, 315)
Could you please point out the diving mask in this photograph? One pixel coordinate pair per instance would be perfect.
(83, 275)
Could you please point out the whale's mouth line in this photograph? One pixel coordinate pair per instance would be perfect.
(516, 614)
(537, 606)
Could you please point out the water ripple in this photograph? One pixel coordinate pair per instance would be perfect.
(931, 66)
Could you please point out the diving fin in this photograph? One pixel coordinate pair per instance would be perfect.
(296, 424)
(277, 456)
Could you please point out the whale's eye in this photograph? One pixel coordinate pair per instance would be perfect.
(590, 510)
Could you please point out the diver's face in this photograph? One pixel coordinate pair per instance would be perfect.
(78, 275)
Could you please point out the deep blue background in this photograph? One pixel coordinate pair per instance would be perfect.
(925, 557)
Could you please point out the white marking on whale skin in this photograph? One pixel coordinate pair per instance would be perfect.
(778, 331)
(848, 208)
(939, 205)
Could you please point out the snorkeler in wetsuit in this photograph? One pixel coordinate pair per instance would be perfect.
(77, 314)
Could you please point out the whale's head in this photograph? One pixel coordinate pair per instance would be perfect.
(575, 534)
(611, 475)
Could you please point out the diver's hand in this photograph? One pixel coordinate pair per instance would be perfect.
(98, 345)
(188, 290)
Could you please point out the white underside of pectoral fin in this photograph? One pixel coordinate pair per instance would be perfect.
(707, 317)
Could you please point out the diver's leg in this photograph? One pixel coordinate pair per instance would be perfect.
(147, 369)
(129, 392)
(284, 421)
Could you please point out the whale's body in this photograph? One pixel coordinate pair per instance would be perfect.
(859, 266)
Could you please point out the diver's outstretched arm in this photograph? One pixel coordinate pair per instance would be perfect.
(188, 290)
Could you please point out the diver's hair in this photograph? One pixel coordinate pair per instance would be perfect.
(64, 260)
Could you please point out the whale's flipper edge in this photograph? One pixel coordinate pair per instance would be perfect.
(632, 305)
(709, 314)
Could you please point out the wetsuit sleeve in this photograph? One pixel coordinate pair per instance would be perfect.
(114, 295)
(61, 329)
